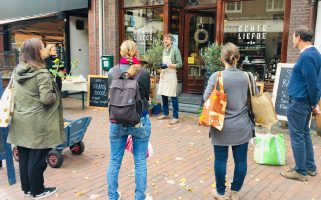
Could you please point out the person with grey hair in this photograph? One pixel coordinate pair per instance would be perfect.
(304, 95)
(171, 61)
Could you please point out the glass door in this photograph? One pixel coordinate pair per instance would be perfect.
(199, 33)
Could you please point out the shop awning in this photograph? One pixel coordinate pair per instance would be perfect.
(12, 20)
(22, 8)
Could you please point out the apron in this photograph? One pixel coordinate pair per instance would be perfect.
(168, 79)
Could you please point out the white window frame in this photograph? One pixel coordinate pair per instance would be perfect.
(272, 9)
(235, 6)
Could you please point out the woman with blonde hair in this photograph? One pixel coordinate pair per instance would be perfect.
(50, 62)
(238, 127)
(36, 102)
(119, 133)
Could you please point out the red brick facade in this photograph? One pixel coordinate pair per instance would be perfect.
(93, 34)
(301, 11)
(111, 29)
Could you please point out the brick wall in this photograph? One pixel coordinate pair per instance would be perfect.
(93, 33)
(111, 29)
(300, 15)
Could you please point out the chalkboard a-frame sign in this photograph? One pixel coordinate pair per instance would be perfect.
(280, 89)
(97, 91)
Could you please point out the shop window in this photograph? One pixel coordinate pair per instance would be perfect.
(200, 2)
(258, 34)
(233, 7)
(135, 3)
(274, 5)
(175, 2)
(143, 26)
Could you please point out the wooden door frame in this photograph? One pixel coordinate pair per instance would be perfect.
(185, 46)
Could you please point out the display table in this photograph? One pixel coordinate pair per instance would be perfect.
(76, 86)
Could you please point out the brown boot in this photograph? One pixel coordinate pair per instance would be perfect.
(292, 174)
(235, 195)
(310, 173)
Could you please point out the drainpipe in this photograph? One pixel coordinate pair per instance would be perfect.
(100, 29)
(317, 42)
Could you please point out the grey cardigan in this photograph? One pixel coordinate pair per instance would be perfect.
(237, 127)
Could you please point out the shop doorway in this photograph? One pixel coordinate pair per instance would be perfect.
(199, 33)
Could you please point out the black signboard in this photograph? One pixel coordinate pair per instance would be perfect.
(280, 89)
(98, 91)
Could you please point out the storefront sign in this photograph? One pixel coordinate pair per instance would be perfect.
(252, 33)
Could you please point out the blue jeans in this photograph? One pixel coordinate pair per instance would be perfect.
(240, 160)
(175, 106)
(298, 114)
(118, 137)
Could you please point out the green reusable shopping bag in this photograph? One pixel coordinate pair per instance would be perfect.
(269, 149)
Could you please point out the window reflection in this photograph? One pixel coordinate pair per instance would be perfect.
(143, 26)
(257, 31)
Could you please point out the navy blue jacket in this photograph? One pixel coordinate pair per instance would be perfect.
(305, 81)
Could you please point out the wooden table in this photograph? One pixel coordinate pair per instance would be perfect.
(76, 87)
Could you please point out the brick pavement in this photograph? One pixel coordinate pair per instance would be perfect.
(181, 152)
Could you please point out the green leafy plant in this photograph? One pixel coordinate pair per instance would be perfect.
(153, 56)
(212, 58)
(74, 66)
(55, 71)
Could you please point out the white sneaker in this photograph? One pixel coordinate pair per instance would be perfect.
(47, 192)
(149, 198)
(119, 194)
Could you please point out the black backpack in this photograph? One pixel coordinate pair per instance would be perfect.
(125, 105)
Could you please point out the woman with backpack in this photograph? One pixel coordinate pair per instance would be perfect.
(129, 67)
(237, 129)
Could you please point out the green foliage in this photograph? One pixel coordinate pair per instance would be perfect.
(154, 55)
(152, 103)
(212, 58)
(58, 64)
(74, 65)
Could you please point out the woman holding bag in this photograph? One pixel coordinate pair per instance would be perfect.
(37, 122)
(237, 129)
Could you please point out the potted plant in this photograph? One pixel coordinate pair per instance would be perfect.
(154, 107)
(212, 59)
(153, 55)
(212, 63)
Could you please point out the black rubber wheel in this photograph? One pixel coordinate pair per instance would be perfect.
(78, 148)
(15, 154)
(55, 159)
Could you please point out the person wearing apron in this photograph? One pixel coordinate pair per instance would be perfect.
(171, 61)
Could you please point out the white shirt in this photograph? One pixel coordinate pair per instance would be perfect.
(305, 48)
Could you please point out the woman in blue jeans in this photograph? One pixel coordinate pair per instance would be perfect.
(118, 133)
(237, 129)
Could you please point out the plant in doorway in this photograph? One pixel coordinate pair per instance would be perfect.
(153, 55)
(212, 61)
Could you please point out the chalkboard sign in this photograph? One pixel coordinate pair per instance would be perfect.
(280, 89)
(97, 91)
